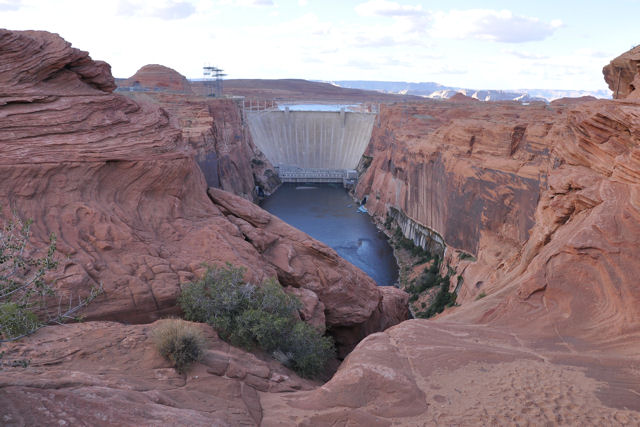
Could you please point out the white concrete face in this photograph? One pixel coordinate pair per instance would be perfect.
(311, 139)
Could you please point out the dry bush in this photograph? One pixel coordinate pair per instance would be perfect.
(179, 341)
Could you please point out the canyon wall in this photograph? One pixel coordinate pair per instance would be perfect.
(121, 189)
(462, 169)
(547, 329)
(214, 128)
(543, 195)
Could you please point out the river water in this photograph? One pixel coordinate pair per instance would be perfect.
(327, 213)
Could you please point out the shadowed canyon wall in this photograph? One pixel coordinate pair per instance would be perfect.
(311, 139)
(121, 189)
(214, 128)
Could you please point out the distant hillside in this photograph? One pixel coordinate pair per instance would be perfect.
(438, 91)
(298, 89)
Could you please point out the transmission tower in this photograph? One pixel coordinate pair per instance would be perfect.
(213, 80)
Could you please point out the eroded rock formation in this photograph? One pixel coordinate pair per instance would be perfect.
(623, 75)
(547, 197)
(156, 77)
(214, 128)
(104, 373)
(442, 373)
(119, 186)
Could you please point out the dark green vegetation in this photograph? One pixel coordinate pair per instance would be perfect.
(251, 316)
(180, 342)
(24, 292)
(464, 255)
(429, 279)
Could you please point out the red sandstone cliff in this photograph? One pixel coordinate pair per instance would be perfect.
(543, 195)
(214, 128)
(119, 186)
(547, 197)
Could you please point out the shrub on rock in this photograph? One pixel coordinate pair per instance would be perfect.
(264, 316)
(180, 342)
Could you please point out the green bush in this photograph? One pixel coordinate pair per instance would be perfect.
(17, 321)
(23, 288)
(179, 341)
(443, 299)
(247, 315)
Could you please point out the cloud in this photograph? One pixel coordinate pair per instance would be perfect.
(594, 53)
(10, 5)
(303, 2)
(167, 10)
(522, 54)
(407, 19)
(178, 10)
(248, 3)
(500, 26)
(388, 8)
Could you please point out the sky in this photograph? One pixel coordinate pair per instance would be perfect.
(491, 44)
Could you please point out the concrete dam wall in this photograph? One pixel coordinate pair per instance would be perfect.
(311, 139)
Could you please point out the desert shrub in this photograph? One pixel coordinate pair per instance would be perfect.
(17, 321)
(24, 289)
(310, 351)
(180, 342)
(264, 316)
(387, 222)
(443, 299)
(464, 255)
(481, 295)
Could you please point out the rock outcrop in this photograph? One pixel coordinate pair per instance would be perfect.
(119, 186)
(156, 77)
(104, 373)
(544, 196)
(214, 128)
(623, 75)
(547, 198)
(442, 373)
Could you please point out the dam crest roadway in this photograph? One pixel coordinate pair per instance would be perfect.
(311, 142)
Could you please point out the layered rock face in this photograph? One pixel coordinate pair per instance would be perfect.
(464, 169)
(104, 373)
(445, 373)
(544, 196)
(214, 128)
(622, 75)
(547, 199)
(120, 188)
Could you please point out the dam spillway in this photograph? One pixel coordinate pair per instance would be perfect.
(306, 144)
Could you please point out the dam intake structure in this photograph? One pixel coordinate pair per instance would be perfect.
(310, 142)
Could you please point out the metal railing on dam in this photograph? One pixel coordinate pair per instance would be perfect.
(347, 177)
(331, 140)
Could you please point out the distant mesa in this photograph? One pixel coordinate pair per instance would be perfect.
(157, 78)
(459, 97)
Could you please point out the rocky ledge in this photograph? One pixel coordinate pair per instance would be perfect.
(119, 186)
